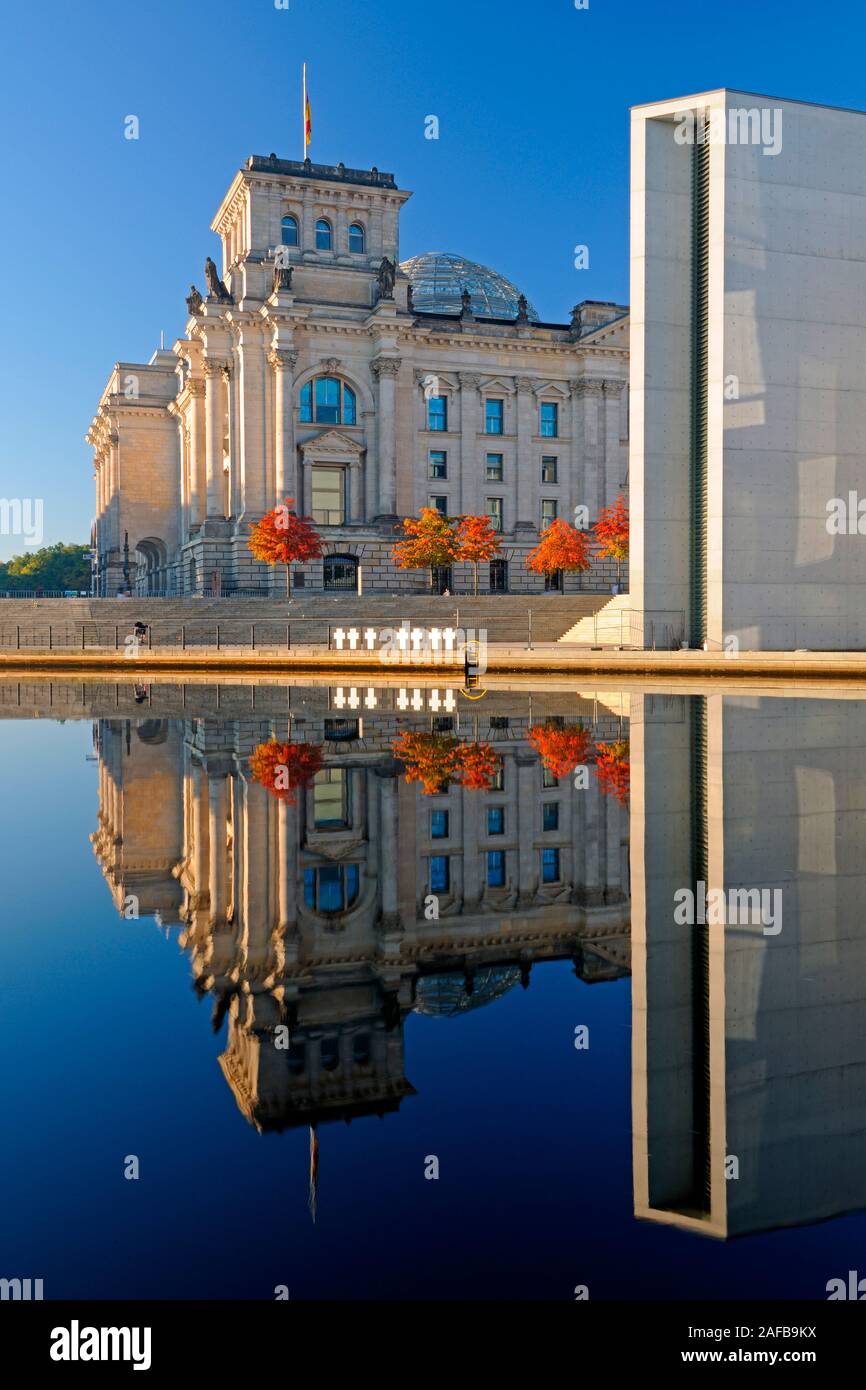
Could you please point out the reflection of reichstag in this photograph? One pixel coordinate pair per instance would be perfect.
(319, 917)
(749, 1051)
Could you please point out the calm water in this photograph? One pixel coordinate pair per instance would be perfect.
(350, 1017)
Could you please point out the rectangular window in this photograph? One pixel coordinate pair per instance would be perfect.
(494, 511)
(494, 468)
(498, 781)
(550, 815)
(440, 873)
(495, 868)
(549, 420)
(439, 504)
(498, 576)
(438, 825)
(550, 865)
(495, 820)
(548, 511)
(328, 496)
(549, 468)
(330, 799)
(548, 779)
(494, 416)
(437, 414)
(438, 463)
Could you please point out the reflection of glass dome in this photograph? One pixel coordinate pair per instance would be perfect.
(439, 279)
(442, 995)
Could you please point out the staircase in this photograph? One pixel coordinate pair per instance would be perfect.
(614, 624)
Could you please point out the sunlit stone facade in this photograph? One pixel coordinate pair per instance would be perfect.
(321, 381)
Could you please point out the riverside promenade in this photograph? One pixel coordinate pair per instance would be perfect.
(376, 635)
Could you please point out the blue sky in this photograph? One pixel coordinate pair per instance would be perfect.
(102, 236)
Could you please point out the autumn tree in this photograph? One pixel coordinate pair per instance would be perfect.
(282, 538)
(57, 566)
(611, 533)
(437, 760)
(562, 547)
(283, 767)
(561, 747)
(612, 769)
(477, 541)
(431, 541)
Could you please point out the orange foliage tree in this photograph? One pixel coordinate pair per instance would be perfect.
(431, 541)
(612, 769)
(611, 533)
(477, 541)
(437, 760)
(561, 747)
(281, 538)
(283, 767)
(562, 547)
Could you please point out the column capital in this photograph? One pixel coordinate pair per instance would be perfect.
(587, 388)
(612, 388)
(214, 366)
(470, 380)
(195, 387)
(282, 359)
(523, 383)
(385, 367)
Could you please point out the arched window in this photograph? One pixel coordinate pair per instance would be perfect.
(357, 240)
(335, 402)
(289, 231)
(323, 234)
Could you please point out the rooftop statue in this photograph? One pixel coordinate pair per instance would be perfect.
(386, 278)
(215, 287)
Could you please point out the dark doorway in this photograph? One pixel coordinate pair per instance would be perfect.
(440, 579)
(499, 576)
(341, 572)
(553, 582)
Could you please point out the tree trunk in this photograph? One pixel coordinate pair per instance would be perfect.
(288, 583)
(475, 571)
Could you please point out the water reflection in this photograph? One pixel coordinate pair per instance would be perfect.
(410, 860)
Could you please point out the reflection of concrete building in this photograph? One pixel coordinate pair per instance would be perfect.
(748, 369)
(327, 383)
(314, 915)
(748, 1046)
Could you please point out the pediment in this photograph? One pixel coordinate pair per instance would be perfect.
(615, 334)
(332, 444)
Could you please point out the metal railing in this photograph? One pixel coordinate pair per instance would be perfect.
(639, 628)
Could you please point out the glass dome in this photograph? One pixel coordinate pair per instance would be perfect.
(443, 995)
(440, 277)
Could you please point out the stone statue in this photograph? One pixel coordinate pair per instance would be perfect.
(282, 277)
(386, 278)
(410, 298)
(576, 324)
(466, 304)
(193, 301)
(215, 287)
(522, 310)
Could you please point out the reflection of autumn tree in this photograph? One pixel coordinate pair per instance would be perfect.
(612, 769)
(283, 767)
(561, 747)
(437, 760)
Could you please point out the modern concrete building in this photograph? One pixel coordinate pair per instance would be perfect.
(748, 370)
(748, 1036)
(318, 367)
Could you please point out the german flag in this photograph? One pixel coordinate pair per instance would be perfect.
(308, 119)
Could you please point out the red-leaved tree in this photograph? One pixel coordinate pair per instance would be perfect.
(611, 533)
(562, 547)
(477, 541)
(281, 538)
(283, 767)
(612, 769)
(431, 541)
(561, 747)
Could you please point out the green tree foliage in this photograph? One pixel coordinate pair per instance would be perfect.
(53, 567)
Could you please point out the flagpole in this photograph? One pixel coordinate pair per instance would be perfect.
(304, 111)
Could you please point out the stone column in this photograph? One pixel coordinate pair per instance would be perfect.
(214, 409)
(388, 849)
(612, 472)
(114, 490)
(287, 866)
(256, 923)
(285, 484)
(356, 502)
(473, 883)
(251, 357)
(590, 393)
(217, 820)
(200, 845)
(528, 466)
(385, 371)
(197, 474)
(527, 814)
(572, 475)
(469, 461)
